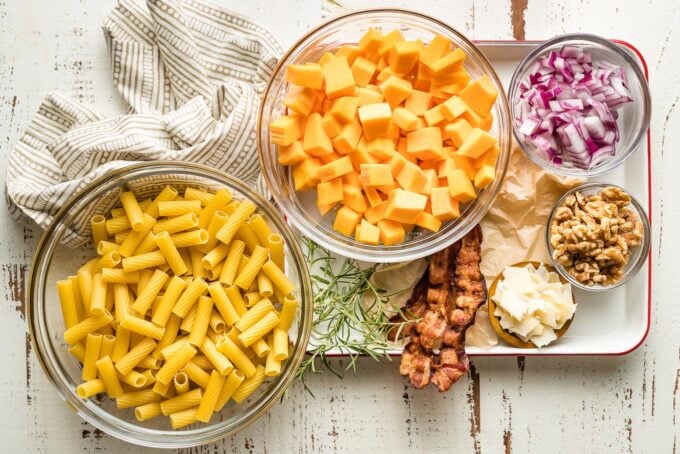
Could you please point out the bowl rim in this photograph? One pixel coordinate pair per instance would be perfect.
(644, 245)
(115, 426)
(402, 252)
(645, 107)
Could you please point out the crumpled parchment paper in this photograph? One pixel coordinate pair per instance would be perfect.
(514, 228)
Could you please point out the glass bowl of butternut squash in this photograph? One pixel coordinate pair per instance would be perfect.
(169, 304)
(384, 135)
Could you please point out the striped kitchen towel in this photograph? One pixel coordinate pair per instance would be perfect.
(192, 75)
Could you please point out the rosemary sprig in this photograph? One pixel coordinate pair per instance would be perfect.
(341, 322)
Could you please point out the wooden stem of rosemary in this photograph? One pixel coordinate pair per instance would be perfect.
(341, 322)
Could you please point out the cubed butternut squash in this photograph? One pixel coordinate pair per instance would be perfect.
(353, 197)
(329, 192)
(291, 154)
(395, 90)
(338, 78)
(363, 71)
(480, 95)
(335, 169)
(425, 143)
(404, 206)
(484, 176)
(368, 233)
(391, 232)
(315, 141)
(403, 56)
(346, 221)
(307, 75)
(304, 174)
(476, 143)
(285, 130)
(375, 175)
(442, 206)
(345, 109)
(375, 119)
(460, 186)
(457, 131)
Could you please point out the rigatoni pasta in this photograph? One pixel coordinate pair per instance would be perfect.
(185, 307)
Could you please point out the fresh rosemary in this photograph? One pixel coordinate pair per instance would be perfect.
(350, 313)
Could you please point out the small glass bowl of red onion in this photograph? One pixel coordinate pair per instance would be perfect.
(580, 105)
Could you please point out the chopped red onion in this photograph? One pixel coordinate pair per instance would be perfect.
(567, 107)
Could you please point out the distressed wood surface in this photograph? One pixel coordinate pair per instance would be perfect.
(618, 404)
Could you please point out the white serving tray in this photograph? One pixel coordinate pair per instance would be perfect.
(614, 322)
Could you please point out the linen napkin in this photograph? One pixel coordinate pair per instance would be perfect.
(192, 75)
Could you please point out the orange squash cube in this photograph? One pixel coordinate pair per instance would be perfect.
(418, 102)
(371, 41)
(453, 108)
(307, 75)
(348, 138)
(448, 62)
(291, 154)
(395, 90)
(367, 96)
(376, 120)
(349, 52)
(373, 196)
(351, 179)
(381, 149)
(431, 181)
(391, 232)
(346, 221)
(304, 174)
(480, 95)
(466, 164)
(484, 176)
(457, 131)
(403, 56)
(315, 141)
(345, 109)
(404, 206)
(488, 158)
(429, 222)
(375, 175)
(331, 125)
(363, 71)
(460, 186)
(442, 206)
(438, 47)
(285, 130)
(329, 192)
(338, 77)
(300, 99)
(389, 40)
(434, 116)
(368, 233)
(376, 213)
(334, 169)
(411, 177)
(476, 143)
(353, 197)
(404, 119)
(425, 143)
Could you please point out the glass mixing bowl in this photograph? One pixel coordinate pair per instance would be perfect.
(638, 254)
(633, 117)
(54, 261)
(300, 207)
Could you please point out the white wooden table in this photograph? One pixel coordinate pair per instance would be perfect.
(619, 404)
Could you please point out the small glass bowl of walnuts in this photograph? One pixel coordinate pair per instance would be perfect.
(598, 236)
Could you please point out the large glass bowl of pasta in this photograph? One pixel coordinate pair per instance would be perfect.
(169, 304)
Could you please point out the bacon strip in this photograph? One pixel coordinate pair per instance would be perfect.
(442, 306)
